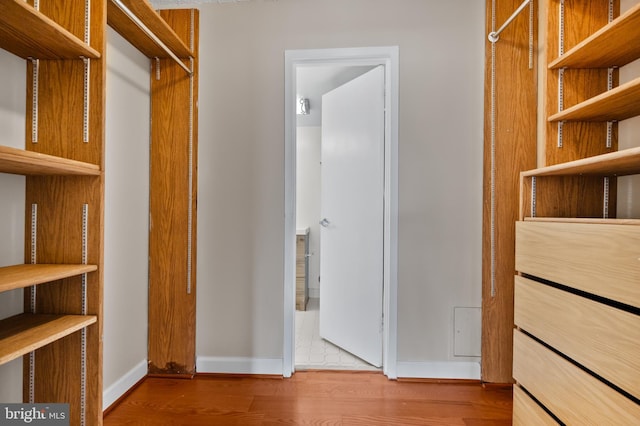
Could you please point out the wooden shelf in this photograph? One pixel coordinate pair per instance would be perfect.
(21, 162)
(29, 34)
(602, 49)
(127, 28)
(619, 163)
(591, 220)
(21, 276)
(616, 104)
(24, 333)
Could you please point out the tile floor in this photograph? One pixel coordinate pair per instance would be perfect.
(313, 352)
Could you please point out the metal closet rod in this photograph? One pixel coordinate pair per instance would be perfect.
(151, 35)
(495, 35)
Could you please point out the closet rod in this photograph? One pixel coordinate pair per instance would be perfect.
(495, 35)
(151, 35)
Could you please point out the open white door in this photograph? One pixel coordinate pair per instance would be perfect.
(351, 269)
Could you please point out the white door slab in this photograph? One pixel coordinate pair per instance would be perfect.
(352, 197)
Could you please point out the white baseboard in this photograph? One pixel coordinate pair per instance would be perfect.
(439, 370)
(239, 365)
(123, 384)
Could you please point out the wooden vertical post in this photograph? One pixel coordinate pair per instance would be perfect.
(172, 235)
(515, 150)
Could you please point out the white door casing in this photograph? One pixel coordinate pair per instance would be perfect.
(370, 56)
(352, 204)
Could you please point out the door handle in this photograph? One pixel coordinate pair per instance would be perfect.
(324, 222)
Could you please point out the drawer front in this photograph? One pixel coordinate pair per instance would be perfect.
(602, 259)
(606, 340)
(573, 395)
(527, 412)
(300, 246)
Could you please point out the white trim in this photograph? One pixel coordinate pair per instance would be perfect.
(439, 370)
(123, 384)
(239, 365)
(389, 57)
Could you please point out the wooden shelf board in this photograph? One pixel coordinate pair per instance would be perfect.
(24, 333)
(120, 22)
(602, 49)
(617, 104)
(597, 221)
(21, 276)
(30, 34)
(619, 163)
(21, 162)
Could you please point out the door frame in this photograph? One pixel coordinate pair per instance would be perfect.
(388, 56)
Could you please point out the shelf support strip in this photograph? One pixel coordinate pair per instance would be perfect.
(32, 354)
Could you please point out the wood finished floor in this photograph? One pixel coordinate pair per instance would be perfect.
(311, 398)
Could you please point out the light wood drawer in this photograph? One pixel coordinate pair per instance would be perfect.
(300, 246)
(301, 268)
(527, 412)
(573, 395)
(606, 340)
(602, 259)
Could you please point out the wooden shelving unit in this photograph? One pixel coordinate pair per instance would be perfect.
(60, 331)
(577, 329)
(24, 333)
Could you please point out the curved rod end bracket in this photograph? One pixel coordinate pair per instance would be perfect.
(493, 37)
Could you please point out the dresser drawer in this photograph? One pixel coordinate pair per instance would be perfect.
(602, 259)
(572, 394)
(527, 412)
(604, 339)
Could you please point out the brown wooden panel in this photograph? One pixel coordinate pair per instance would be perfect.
(606, 340)
(573, 196)
(515, 150)
(527, 412)
(574, 396)
(601, 259)
(171, 306)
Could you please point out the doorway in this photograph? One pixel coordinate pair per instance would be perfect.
(368, 58)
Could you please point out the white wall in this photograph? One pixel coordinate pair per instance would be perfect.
(241, 181)
(308, 141)
(12, 202)
(126, 251)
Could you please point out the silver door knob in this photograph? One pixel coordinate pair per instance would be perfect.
(324, 222)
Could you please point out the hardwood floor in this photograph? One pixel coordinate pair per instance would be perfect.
(311, 398)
